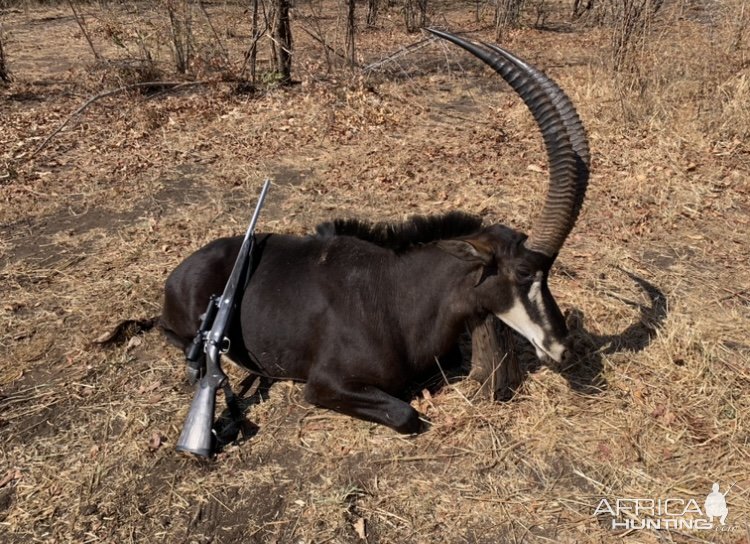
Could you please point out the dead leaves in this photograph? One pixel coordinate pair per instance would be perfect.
(661, 411)
(11, 477)
(155, 442)
(664, 414)
(360, 528)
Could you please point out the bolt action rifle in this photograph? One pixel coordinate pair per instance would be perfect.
(210, 342)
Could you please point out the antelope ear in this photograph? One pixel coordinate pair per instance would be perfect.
(468, 250)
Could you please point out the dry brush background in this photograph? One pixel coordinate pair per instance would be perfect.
(655, 276)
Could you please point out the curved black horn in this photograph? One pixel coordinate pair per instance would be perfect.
(573, 124)
(576, 131)
(564, 139)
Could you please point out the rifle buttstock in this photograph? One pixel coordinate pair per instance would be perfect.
(197, 436)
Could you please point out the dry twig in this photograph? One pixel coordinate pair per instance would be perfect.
(145, 85)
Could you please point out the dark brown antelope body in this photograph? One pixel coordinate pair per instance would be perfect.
(359, 312)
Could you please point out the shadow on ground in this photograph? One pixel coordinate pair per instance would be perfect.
(585, 373)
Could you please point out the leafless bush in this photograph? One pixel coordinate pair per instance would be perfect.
(415, 14)
(258, 29)
(690, 73)
(126, 72)
(220, 47)
(741, 25)
(629, 20)
(135, 62)
(541, 10)
(318, 33)
(181, 32)
(582, 7)
(84, 30)
(507, 15)
(153, 42)
(372, 12)
(632, 21)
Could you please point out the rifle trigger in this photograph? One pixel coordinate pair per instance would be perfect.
(225, 345)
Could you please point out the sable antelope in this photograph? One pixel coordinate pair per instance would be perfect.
(359, 314)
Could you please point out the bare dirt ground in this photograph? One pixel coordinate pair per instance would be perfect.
(655, 276)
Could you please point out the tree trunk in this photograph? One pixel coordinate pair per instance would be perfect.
(253, 52)
(415, 14)
(350, 32)
(283, 35)
(4, 72)
(493, 360)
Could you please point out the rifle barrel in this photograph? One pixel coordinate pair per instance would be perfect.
(197, 436)
(226, 302)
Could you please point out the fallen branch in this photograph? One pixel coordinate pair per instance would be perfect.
(328, 47)
(400, 52)
(172, 84)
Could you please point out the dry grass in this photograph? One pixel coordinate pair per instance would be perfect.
(654, 407)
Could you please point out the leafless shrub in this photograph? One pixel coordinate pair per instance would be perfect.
(415, 14)
(689, 71)
(632, 21)
(152, 43)
(181, 32)
(541, 11)
(507, 15)
(582, 8)
(135, 63)
(741, 24)
(372, 12)
(318, 33)
(217, 39)
(84, 30)
(258, 30)
(272, 21)
(124, 72)
(629, 20)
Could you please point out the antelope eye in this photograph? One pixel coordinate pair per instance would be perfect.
(525, 276)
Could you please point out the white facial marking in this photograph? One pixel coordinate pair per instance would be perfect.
(520, 320)
(535, 296)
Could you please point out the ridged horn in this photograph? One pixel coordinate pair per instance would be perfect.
(564, 139)
(573, 124)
